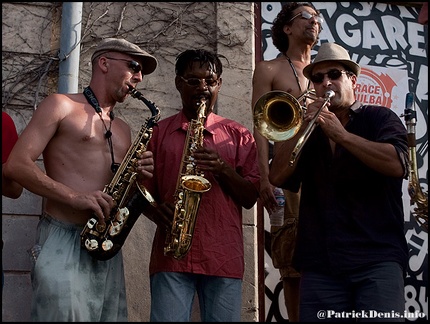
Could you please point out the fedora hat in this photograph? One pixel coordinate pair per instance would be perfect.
(149, 62)
(332, 52)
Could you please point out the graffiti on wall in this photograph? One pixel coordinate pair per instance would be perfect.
(391, 47)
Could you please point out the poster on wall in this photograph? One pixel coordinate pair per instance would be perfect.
(392, 49)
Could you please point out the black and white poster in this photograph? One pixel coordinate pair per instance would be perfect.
(392, 49)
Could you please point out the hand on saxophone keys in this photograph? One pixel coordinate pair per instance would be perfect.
(98, 201)
(145, 164)
(209, 160)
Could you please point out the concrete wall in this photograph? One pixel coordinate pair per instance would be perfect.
(30, 44)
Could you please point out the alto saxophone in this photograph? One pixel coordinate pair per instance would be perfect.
(190, 185)
(417, 196)
(104, 241)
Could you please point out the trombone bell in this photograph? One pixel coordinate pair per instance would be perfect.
(277, 115)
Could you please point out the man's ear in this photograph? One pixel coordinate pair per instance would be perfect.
(177, 82)
(354, 80)
(102, 63)
(286, 29)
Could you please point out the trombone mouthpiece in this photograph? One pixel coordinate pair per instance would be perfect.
(329, 94)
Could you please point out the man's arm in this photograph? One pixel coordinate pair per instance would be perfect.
(381, 157)
(261, 84)
(21, 165)
(10, 188)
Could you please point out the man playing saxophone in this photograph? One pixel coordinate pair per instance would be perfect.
(82, 145)
(351, 249)
(224, 153)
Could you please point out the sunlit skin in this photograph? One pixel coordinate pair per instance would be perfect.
(278, 75)
(69, 133)
(270, 75)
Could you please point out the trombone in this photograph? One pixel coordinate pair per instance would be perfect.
(278, 116)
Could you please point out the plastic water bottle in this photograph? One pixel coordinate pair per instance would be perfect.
(277, 217)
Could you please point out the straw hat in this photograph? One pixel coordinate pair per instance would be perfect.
(149, 62)
(332, 52)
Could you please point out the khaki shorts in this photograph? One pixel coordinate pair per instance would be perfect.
(283, 238)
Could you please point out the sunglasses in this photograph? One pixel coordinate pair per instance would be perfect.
(332, 74)
(307, 15)
(133, 65)
(195, 82)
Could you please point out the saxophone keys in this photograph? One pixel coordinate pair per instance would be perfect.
(107, 245)
(120, 219)
(100, 227)
(91, 223)
(122, 214)
(180, 226)
(134, 162)
(115, 228)
(91, 244)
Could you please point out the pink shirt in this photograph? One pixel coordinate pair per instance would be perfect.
(217, 246)
(9, 136)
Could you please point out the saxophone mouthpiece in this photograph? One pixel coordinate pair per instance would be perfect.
(134, 93)
(130, 88)
(202, 100)
(409, 100)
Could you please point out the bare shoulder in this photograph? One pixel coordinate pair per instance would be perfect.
(57, 106)
(267, 71)
(53, 111)
(269, 66)
(264, 78)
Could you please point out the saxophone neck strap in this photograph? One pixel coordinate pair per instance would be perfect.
(92, 100)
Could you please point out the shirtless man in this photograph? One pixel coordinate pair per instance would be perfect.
(294, 32)
(82, 143)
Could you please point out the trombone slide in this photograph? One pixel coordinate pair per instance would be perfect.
(310, 128)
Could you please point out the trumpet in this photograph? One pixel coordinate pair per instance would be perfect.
(278, 116)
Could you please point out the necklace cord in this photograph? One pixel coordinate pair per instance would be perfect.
(297, 78)
(296, 75)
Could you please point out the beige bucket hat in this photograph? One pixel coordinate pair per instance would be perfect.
(332, 52)
(149, 62)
